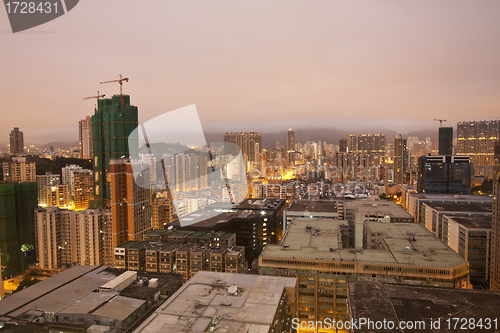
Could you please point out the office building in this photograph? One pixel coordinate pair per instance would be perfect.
(130, 202)
(72, 237)
(19, 170)
(444, 174)
(495, 239)
(313, 250)
(400, 160)
(446, 141)
(43, 182)
(83, 188)
(16, 140)
(112, 123)
(85, 138)
(216, 302)
(17, 231)
(476, 139)
(419, 308)
(352, 144)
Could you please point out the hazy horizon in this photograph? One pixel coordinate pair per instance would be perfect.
(359, 66)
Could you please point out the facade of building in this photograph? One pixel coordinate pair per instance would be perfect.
(17, 231)
(112, 123)
(446, 141)
(162, 212)
(16, 140)
(250, 145)
(186, 172)
(46, 181)
(416, 202)
(313, 251)
(57, 195)
(85, 138)
(19, 170)
(495, 239)
(476, 139)
(72, 237)
(470, 236)
(290, 140)
(444, 174)
(400, 160)
(130, 202)
(227, 302)
(83, 188)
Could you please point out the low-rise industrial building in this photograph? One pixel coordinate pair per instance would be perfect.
(313, 251)
(225, 302)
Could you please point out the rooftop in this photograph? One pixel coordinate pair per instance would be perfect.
(454, 197)
(322, 241)
(205, 297)
(473, 222)
(461, 207)
(57, 292)
(313, 206)
(395, 302)
(385, 208)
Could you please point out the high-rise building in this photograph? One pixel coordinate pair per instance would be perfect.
(16, 140)
(130, 202)
(67, 177)
(72, 237)
(112, 123)
(476, 139)
(496, 161)
(57, 195)
(19, 170)
(163, 212)
(343, 146)
(371, 144)
(83, 189)
(495, 239)
(17, 233)
(186, 172)
(290, 140)
(43, 182)
(400, 159)
(445, 140)
(246, 142)
(353, 143)
(85, 137)
(444, 174)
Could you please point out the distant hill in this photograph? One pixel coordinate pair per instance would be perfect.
(60, 145)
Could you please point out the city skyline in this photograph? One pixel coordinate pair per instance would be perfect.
(266, 67)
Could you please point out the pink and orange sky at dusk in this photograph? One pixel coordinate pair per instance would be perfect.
(257, 65)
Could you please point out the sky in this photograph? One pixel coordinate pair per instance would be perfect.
(257, 65)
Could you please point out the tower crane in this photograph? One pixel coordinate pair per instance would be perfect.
(95, 96)
(120, 81)
(440, 122)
